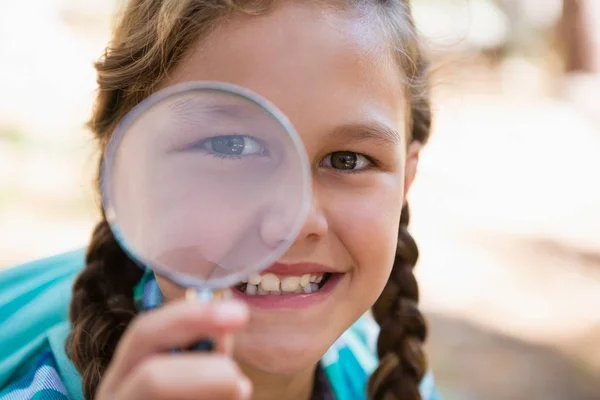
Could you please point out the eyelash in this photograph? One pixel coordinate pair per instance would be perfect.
(225, 157)
(372, 163)
(200, 145)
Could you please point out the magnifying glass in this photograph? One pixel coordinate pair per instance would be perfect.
(205, 183)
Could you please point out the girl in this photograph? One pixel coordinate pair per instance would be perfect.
(350, 76)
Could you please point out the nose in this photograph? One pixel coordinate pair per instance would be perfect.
(276, 226)
(315, 226)
(278, 222)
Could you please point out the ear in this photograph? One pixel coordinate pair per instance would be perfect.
(412, 160)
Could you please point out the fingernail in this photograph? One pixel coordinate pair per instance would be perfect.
(228, 310)
(246, 388)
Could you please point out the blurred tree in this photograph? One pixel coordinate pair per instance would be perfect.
(593, 23)
(576, 23)
(575, 37)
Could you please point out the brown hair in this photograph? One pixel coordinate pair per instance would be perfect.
(152, 37)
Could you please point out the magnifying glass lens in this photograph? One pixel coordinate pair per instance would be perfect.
(205, 183)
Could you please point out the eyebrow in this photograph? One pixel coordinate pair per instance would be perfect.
(191, 107)
(371, 131)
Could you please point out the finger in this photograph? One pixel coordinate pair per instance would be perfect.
(175, 325)
(186, 376)
(225, 344)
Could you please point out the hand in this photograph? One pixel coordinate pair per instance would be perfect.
(143, 368)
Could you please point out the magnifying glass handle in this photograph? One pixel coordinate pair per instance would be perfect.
(205, 345)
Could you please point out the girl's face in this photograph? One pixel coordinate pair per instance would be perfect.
(335, 78)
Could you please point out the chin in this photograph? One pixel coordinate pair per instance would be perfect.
(284, 352)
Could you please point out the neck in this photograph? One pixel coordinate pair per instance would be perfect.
(276, 387)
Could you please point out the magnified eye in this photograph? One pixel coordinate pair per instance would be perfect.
(233, 145)
(346, 160)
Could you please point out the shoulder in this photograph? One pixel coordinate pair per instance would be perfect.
(34, 299)
(36, 276)
(353, 358)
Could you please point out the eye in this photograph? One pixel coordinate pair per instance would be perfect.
(233, 145)
(346, 161)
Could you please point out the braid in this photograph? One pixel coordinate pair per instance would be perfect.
(402, 362)
(101, 308)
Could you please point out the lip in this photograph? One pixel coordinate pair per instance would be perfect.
(291, 300)
(298, 269)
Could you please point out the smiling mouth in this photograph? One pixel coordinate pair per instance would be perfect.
(271, 284)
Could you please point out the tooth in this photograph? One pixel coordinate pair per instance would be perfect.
(277, 293)
(305, 280)
(314, 287)
(270, 283)
(260, 290)
(255, 279)
(251, 289)
(290, 283)
(299, 290)
(308, 289)
(319, 279)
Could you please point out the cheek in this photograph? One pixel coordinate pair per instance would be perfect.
(185, 226)
(367, 225)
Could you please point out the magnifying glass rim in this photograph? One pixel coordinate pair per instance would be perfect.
(181, 279)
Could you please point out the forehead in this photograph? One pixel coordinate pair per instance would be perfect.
(321, 67)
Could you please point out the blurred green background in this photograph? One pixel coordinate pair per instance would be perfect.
(505, 208)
